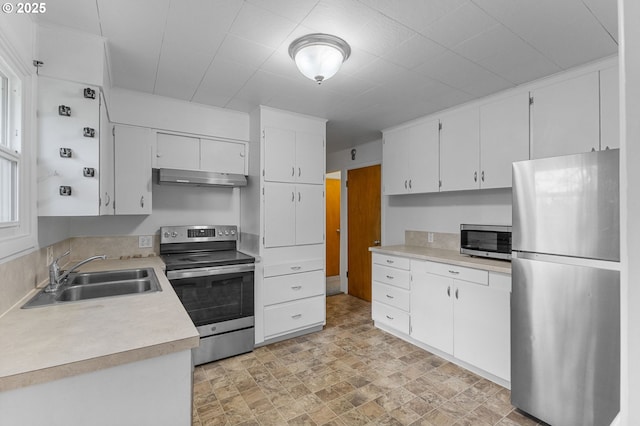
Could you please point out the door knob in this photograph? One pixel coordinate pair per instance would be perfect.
(376, 243)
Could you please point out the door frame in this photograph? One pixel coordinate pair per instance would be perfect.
(344, 220)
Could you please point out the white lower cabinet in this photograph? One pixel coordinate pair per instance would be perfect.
(462, 312)
(467, 319)
(293, 296)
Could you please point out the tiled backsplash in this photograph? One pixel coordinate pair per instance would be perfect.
(441, 240)
(21, 275)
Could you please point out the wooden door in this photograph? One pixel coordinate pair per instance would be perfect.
(333, 227)
(363, 215)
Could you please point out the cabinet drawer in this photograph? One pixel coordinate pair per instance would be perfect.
(285, 288)
(393, 317)
(452, 271)
(393, 261)
(390, 295)
(292, 316)
(293, 267)
(392, 276)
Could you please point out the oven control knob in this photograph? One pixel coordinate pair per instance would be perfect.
(167, 234)
(226, 232)
(233, 232)
(174, 234)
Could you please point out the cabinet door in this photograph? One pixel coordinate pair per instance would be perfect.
(504, 138)
(565, 117)
(395, 177)
(310, 207)
(177, 152)
(609, 108)
(279, 155)
(223, 156)
(432, 310)
(309, 158)
(132, 149)
(55, 132)
(106, 162)
(460, 150)
(482, 327)
(424, 157)
(279, 214)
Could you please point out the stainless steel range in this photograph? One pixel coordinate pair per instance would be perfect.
(215, 283)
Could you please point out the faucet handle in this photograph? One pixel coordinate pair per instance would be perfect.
(60, 257)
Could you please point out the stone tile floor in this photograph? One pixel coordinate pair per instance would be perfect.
(348, 374)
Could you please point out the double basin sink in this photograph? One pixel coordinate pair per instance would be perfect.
(93, 285)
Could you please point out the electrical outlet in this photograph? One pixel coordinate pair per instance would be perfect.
(429, 237)
(145, 241)
(49, 255)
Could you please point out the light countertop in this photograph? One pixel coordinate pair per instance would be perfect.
(445, 256)
(51, 342)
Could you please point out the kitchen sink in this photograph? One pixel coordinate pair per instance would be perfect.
(93, 285)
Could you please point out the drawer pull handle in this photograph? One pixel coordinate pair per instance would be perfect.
(389, 277)
(296, 268)
(449, 291)
(390, 261)
(388, 317)
(389, 296)
(454, 272)
(296, 287)
(456, 293)
(296, 316)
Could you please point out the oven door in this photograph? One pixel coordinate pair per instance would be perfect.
(216, 294)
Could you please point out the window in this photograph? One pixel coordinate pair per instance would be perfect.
(17, 206)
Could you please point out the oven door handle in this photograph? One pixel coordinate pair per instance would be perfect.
(206, 272)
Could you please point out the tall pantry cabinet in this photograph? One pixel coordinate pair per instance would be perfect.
(282, 220)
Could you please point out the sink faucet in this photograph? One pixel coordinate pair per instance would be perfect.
(55, 278)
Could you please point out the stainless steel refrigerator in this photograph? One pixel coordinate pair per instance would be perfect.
(565, 302)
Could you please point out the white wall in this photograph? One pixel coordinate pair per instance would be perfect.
(628, 11)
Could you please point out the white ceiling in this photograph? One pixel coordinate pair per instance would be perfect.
(409, 57)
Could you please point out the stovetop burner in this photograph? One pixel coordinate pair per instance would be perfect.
(177, 261)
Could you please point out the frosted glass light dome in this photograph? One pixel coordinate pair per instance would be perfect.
(319, 56)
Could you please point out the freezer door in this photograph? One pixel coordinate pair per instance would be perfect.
(565, 342)
(568, 205)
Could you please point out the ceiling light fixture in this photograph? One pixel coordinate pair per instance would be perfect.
(319, 56)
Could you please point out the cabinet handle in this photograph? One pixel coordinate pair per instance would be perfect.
(108, 199)
(296, 316)
(409, 183)
(449, 291)
(405, 184)
(299, 197)
(389, 277)
(606, 148)
(142, 201)
(389, 317)
(456, 293)
(293, 171)
(293, 196)
(593, 150)
(389, 296)
(390, 261)
(296, 268)
(454, 272)
(482, 176)
(299, 171)
(296, 287)
(475, 176)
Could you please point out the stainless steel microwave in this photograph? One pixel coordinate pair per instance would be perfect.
(492, 241)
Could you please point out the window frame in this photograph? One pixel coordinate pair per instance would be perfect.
(19, 236)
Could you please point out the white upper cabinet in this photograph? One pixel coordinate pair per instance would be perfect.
(565, 117)
(609, 108)
(293, 156)
(279, 154)
(410, 159)
(460, 150)
(223, 156)
(132, 170)
(504, 138)
(68, 149)
(177, 152)
(106, 162)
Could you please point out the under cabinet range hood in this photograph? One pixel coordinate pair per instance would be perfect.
(200, 178)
